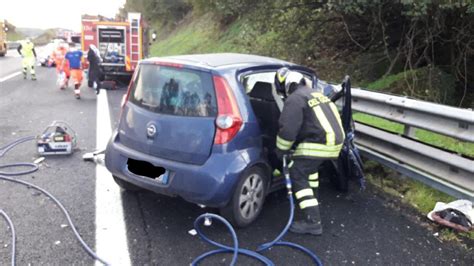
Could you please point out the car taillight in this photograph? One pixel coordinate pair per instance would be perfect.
(126, 95)
(125, 98)
(228, 120)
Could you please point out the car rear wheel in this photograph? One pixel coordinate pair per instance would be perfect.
(126, 185)
(249, 196)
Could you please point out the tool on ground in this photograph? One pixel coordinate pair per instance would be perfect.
(90, 156)
(256, 255)
(57, 139)
(30, 168)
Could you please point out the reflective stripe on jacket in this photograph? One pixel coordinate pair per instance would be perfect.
(310, 122)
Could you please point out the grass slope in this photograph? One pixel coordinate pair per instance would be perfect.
(202, 35)
(13, 36)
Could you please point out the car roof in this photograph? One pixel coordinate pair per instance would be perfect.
(221, 60)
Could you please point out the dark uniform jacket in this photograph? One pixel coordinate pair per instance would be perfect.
(94, 66)
(311, 124)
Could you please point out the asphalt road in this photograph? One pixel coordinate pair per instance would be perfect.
(363, 229)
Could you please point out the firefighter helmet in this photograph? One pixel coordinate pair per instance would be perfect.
(280, 78)
(292, 80)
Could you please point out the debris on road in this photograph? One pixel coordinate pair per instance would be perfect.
(39, 160)
(457, 214)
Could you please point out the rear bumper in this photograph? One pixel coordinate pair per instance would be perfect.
(114, 69)
(211, 184)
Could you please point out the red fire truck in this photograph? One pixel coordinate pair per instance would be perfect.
(120, 42)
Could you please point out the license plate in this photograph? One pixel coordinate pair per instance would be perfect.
(163, 179)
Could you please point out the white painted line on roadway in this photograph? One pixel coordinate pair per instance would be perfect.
(10, 76)
(111, 235)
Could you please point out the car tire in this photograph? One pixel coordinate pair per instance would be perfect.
(126, 185)
(248, 198)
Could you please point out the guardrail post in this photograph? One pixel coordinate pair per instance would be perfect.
(409, 131)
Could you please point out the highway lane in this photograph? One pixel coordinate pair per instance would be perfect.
(26, 108)
(362, 229)
(9, 64)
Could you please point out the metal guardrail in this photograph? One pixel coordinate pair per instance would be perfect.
(450, 121)
(443, 170)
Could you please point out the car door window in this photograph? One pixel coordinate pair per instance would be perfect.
(268, 77)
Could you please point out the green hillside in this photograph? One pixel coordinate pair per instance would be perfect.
(45, 37)
(199, 35)
(389, 46)
(13, 34)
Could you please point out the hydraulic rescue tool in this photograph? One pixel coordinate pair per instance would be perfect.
(58, 138)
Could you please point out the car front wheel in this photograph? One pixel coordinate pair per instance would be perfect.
(248, 198)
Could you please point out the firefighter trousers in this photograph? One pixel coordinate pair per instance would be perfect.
(305, 180)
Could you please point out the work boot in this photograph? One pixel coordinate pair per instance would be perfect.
(311, 224)
(307, 226)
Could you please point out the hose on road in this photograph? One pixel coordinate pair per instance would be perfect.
(7, 176)
(31, 167)
(12, 228)
(235, 248)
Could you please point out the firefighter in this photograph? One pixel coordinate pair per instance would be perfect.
(94, 74)
(27, 51)
(310, 124)
(62, 65)
(74, 57)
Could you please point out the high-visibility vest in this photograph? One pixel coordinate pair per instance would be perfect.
(27, 49)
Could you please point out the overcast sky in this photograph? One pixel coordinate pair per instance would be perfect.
(46, 14)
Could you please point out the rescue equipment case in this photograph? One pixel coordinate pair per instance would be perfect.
(57, 139)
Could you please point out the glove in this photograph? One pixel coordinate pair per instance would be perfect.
(280, 153)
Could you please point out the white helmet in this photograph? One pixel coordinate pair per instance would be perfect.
(293, 79)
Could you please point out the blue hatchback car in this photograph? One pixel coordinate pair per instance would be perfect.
(202, 127)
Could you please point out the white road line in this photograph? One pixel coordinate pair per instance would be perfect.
(111, 235)
(10, 76)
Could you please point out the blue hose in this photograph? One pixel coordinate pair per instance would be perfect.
(31, 167)
(223, 248)
(7, 176)
(236, 250)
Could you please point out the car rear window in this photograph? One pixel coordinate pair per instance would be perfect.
(174, 91)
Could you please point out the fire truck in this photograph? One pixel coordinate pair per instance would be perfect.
(120, 42)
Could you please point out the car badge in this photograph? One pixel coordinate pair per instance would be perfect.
(151, 131)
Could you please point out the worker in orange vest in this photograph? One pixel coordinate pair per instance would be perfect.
(62, 65)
